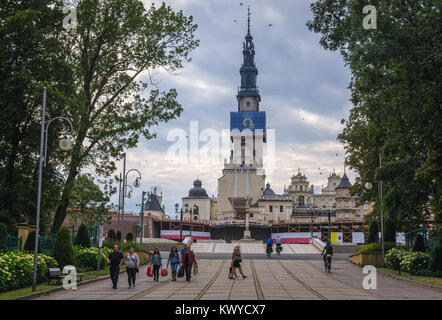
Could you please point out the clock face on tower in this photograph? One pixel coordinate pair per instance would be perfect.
(248, 104)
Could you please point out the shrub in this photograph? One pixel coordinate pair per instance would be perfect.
(3, 236)
(428, 273)
(83, 238)
(87, 257)
(119, 235)
(111, 235)
(16, 269)
(389, 231)
(414, 261)
(377, 247)
(129, 236)
(126, 245)
(63, 250)
(419, 245)
(436, 258)
(373, 232)
(394, 255)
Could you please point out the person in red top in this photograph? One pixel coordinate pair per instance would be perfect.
(188, 262)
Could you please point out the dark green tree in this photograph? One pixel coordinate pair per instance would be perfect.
(31, 57)
(3, 236)
(119, 235)
(63, 250)
(111, 235)
(419, 244)
(389, 231)
(129, 236)
(395, 89)
(373, 236)
(83, 238)
(113, 43)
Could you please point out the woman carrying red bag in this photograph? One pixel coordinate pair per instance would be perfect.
(156, 264)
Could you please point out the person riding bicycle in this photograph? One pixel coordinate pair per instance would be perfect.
(269, 244)
(328, 249)
(278, 242)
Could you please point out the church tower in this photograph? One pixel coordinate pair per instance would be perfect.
(248, 94)
(243, 178)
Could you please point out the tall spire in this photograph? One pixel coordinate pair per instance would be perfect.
(248, 94)
(248, 20)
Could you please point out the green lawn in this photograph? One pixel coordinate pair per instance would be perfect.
(88, 275)
(437, 281)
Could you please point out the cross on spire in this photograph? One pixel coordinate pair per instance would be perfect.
(248, 20)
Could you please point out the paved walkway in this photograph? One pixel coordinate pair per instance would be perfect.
(267, 279)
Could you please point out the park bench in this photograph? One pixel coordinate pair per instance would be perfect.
(55, 273)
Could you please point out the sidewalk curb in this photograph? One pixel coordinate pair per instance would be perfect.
(423, 284)
(47, 292)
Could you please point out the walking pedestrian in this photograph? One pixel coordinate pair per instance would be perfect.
(236, 262)
(156, 264)
(132, 263)
(188, 261)
(115, 260)
(174, 260)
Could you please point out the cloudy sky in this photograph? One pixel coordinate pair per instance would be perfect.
(303, 90)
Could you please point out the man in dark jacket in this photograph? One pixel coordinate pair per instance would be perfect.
(115, 260)
(188, 261)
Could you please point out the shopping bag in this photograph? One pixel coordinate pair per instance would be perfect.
(149, 271)
(180, 272)
(164, 273)
(195, 270)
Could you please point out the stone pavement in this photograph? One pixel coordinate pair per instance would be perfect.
(267, 280)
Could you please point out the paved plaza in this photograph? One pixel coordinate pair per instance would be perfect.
(268, 279)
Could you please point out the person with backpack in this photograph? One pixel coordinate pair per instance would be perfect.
(174, 260)
(236, 262)
(188, 262)
(132, 263)
(156, 264)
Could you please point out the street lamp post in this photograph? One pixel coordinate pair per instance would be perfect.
(142, 217)
(136, 185)
(65, 143)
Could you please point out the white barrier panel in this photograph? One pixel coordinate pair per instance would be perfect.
(295, 237)
(175, 234)
(357, 237)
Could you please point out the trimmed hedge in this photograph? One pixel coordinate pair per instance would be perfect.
(3, 236)
(126, 244)
(129, 236)
(377, 247)
(436, 258)
(373, 236)
(83, 238)
(17, 267)
(63, 249)
(111, 235)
